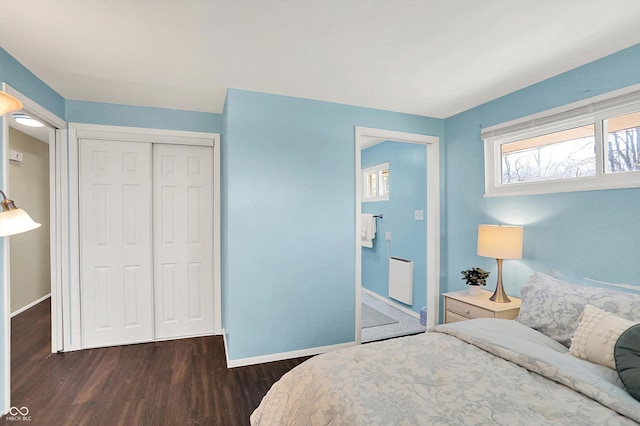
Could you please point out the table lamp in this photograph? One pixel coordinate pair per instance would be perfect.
(500, 242)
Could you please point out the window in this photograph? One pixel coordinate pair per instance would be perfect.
(581, 147)
(561, 155)
(623, 143)
(376, 183)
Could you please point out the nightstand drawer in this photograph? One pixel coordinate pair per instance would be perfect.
(460, 305)
(453, 317)
(466, 310)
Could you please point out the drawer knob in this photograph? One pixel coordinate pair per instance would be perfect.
(466, 311)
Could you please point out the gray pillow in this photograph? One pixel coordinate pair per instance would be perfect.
(553, 307)
(627, 356)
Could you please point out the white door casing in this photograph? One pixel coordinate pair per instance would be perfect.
(56, 224)
(115, 242)
(183, 240)
(369, 136)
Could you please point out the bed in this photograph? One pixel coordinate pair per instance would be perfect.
(554, 364)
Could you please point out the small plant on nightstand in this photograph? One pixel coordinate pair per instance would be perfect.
(475, 277)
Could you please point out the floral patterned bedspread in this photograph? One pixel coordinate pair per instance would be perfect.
(477, 372)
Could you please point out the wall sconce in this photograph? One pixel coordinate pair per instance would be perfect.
(14, 220)
(8, 103)
(500, 242)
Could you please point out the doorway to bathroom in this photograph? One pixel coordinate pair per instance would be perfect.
(405, 226)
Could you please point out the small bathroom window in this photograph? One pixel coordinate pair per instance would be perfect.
(375, 183)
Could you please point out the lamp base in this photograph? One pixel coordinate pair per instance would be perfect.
(499, 296)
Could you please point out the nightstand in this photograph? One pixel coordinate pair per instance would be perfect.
(460, 306)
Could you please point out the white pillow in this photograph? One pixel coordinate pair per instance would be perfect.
(596, 336)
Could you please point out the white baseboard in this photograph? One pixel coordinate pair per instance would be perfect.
(391, 303)
(280, 356)
(30, 305)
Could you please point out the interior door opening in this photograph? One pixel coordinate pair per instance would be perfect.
(31, 179)
(400, 233)
(365, 137)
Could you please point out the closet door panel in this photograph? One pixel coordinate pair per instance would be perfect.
(115, 242)
(183, 240)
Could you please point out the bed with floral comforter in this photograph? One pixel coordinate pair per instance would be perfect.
(476, 372)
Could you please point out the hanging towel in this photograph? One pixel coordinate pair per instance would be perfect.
(367, 230)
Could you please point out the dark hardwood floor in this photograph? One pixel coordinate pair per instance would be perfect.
(178, 382)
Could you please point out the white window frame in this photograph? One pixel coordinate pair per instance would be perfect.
(370, 170)
(591, 111)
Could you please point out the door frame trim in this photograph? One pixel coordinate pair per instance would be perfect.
(365, 137)
(77, 131)
(57, 253)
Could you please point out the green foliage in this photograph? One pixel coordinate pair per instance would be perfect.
(475, 276)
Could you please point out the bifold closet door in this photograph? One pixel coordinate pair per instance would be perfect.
(183, 240)
(115, 242)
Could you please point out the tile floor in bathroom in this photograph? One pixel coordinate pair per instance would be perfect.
(406, 324)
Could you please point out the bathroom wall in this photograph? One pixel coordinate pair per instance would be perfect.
(407, 193)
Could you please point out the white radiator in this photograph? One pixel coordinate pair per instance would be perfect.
(401, 280)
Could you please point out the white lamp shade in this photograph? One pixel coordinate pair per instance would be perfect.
(8, 103)
(500, 241)
(16, 221)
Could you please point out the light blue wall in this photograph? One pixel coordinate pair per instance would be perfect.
(146, 117)
(17, 76)
(289, 186)
(574, 235)
(408, 192)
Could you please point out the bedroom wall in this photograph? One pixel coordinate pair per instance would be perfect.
(574, 235)
(289, 225)
(146, 117)
(20, 78)
(408, 190)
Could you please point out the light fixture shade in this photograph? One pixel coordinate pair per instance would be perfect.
(8, 103)
(16, 221)
(500, 241)
(13, 220)
(26, 120)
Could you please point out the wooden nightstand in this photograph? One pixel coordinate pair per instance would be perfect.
(460, 306)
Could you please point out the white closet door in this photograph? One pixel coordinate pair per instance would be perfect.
(115, 242)
(183, 240)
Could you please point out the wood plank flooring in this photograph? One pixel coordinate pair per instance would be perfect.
(178, 382)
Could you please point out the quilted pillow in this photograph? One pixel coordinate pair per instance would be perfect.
(627, 356)
(553, 307)
(597, 335)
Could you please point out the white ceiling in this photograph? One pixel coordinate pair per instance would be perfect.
(426, 57)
